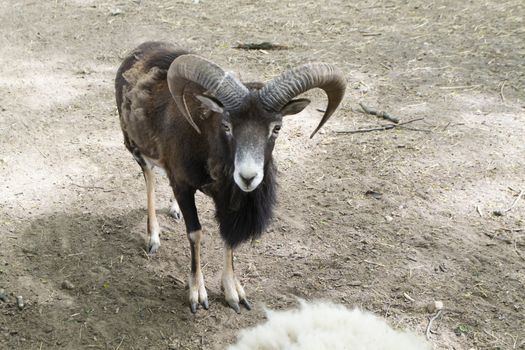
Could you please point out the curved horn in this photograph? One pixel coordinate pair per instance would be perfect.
(293, 82)
(192, 68)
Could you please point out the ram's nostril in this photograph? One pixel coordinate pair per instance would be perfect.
(247, 179)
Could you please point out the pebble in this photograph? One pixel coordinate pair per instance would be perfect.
(116, 12)
(3, 295)
(20, 302)
(388, 218)
(67, 285)
(435, 306)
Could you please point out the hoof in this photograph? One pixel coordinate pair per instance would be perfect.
(246, 304)
(195, 306)
(153, 247)
(175, 212)
(198, 294)
(176, 215)
(235, 306)
(234, 293)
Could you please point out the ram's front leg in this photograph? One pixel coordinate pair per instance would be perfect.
(233, 290)
(198, 294)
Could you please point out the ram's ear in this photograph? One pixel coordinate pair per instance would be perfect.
(295, 106)
(210, 103)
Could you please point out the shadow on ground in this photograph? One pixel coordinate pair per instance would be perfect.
(111, 279)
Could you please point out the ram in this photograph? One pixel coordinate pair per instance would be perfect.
(212, 133)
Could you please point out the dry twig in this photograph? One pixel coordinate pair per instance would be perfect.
(478, 209)
(415, 129)
(121, 341)
(260, 46)
(460, 87)
(382, 128)
(502, 212)
(518, 253)
(374, 263)
(380, 114)
(408, 297)
(177, 279)
(429, 326)
(501, 92)
(88, 187)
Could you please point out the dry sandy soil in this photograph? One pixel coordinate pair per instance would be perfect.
(72, 199)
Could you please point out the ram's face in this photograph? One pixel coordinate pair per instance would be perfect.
(251, 132)
(251, 135)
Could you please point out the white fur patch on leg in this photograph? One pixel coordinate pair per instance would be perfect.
(198, 294)
(239, 288)
(230, 287)
(152, 163)
(321, 325)
(154, 238)
(233, 290)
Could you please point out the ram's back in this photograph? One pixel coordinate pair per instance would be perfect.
(144, 103)
(152, 124)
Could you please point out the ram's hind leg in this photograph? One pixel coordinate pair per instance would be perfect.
(153, 224)
(149, 177)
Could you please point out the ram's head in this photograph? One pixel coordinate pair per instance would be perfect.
(252, 117)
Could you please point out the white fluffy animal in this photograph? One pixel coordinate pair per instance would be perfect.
(322, 325)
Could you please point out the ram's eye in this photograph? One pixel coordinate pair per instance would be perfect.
(276, 129)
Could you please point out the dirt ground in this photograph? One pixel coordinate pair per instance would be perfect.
(72, 199)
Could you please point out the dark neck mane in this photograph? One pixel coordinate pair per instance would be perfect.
(244, 215)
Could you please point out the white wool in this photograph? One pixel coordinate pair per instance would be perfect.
(322, 325)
